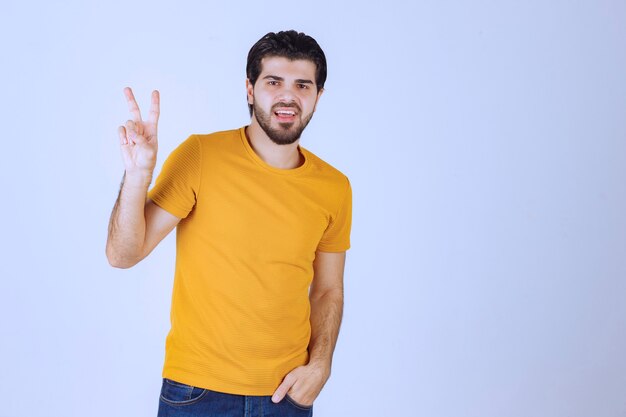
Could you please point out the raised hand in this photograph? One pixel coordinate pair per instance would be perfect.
(138, 139)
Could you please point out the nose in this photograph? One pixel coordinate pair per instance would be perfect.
(286, 94)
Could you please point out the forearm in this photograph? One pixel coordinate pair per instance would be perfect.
(326, 314)
(127, 226)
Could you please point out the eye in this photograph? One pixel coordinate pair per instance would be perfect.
(303, 86)
(272, 82)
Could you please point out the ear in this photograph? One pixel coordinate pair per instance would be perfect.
(319, 94)
(250, 91)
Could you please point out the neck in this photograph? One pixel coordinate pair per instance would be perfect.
(278, 156)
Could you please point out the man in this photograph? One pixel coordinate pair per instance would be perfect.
(263, 226)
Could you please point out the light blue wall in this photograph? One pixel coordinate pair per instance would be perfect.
(486, 147)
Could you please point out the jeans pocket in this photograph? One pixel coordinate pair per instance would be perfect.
(297, 404)
(177, 393)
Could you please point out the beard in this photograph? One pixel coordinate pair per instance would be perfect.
(286, 133)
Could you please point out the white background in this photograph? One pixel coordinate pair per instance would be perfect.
(486, 146)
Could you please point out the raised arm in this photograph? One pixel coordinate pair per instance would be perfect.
(137, 225)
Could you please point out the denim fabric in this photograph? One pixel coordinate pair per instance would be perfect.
(182, 400)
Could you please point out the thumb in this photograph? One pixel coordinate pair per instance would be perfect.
(282, 389)
(133, 136)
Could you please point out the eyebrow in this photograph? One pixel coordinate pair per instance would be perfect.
(277, 78)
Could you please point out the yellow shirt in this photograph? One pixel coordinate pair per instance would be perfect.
(244, 259)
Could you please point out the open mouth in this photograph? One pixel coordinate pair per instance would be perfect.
(285, 115)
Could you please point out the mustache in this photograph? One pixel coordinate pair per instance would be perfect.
(281, 104)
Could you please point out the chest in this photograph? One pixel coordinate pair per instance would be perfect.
(260, 218)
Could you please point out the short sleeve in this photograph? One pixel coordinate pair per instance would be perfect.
(336, 237)
(177, 186)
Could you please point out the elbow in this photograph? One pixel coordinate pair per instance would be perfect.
(117, 261)
(118, 264)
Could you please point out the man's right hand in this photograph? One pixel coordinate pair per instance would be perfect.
(137, 224)
(138, 139)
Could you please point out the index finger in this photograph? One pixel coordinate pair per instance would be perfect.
(132, 104)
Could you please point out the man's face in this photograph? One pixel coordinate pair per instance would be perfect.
(284, 97)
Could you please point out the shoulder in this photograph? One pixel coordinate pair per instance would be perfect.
(218, 135)
(325, 171)
(219, 141)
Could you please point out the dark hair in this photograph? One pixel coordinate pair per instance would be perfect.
(288, 44)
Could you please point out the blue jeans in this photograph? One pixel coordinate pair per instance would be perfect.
(178, 400)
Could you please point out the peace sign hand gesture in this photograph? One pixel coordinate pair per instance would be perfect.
(138, 139)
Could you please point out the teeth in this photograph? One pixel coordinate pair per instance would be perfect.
(288, 113)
